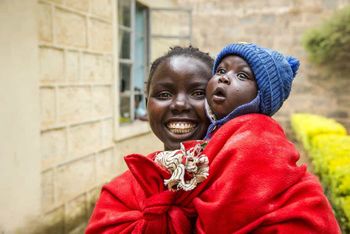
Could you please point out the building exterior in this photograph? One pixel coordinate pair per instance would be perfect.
(280, 25)
(71, 82)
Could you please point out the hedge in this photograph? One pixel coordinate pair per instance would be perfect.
(307, 126)
(329, 44)
(328, 147)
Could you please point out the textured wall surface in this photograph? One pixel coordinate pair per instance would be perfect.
(76, 85)
(279, 25)
(77, 103)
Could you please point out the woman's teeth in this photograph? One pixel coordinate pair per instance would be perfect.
(180, 127)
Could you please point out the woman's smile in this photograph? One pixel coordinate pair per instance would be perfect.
(181, 127)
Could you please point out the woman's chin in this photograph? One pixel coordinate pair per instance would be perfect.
(176, 137)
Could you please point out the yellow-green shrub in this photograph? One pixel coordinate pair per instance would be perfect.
(329, 151)
(306, 126)
(328, 146)
(346, 205)
(339, 175)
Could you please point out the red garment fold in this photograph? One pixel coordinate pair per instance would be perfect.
(254, 186)
(137, 202)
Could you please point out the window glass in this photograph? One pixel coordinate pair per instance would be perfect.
(133, 64)
(125, 44)
(141, 59)
(124, 12)
(125, 107)
(125, 77)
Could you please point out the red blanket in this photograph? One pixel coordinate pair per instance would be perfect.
(254, 186)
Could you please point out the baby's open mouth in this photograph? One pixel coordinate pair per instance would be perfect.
(219, 95)
(180, 127)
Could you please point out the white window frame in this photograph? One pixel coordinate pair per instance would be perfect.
(137, 127)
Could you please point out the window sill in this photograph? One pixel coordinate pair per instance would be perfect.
(131, 130)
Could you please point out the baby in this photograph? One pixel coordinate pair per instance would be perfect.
(247, 79)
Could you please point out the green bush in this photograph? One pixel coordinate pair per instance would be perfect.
(331, 160)
(346, 204)
(329, 44)
(328, 146)
(308, 125)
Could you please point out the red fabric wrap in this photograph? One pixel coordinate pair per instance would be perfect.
(254, 186)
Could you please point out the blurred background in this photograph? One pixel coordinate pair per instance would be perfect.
(72, 88)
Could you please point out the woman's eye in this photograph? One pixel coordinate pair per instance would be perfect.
(164, 95)
(199, 94)
(242, 76)
(220, 71)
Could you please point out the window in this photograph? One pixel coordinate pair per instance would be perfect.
(133, 51)
(133, 48)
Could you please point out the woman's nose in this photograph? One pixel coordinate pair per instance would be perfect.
(224, 79)
(180, 104)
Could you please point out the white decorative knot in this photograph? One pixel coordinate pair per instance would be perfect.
(187, 167)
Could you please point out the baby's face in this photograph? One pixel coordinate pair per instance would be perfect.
(232, 85)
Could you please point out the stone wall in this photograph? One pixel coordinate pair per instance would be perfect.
(78, 147)
(76, 91)
(280, 25)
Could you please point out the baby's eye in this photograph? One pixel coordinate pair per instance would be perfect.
(164, 95)
(198, 93)
(220, 71)
(242, 76)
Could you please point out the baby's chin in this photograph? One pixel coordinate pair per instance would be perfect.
(219, 111)
(219, 115)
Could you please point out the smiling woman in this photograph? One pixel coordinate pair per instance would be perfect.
(176, 100)
(134, 203)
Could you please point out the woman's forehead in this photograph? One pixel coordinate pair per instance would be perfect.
(181, 62)
(187, 83)
(183, 66)
(181, 70)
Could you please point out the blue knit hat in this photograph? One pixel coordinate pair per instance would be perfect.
(273, 72)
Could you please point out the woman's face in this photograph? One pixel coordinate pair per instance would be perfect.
(176, 100)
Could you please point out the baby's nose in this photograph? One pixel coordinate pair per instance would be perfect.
(224, 79)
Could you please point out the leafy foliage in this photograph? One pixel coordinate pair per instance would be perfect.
(329, 44)
(308, 125)
(328, 146)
